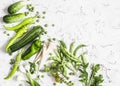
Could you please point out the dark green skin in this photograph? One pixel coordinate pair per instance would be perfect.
(29, 37)
(14, 8)
(13, 18)
(33, 49)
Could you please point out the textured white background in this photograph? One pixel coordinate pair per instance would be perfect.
(93, 22)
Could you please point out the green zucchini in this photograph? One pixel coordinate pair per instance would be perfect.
(13, 18)
(14, 8)
(29, 37)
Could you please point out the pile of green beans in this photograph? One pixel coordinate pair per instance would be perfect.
(65, 59)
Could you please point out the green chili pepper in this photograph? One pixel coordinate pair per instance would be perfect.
(18, 35)
(25, 22)
(33, 49)
(15, 67)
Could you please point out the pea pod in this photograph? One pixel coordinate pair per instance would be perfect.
(29, 37)
(18, 35)
(33, 49)
(14, 8)
(25, 22)
(13, 18)
(15, 67)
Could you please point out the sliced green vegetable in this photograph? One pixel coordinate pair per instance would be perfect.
(25, 22)
(13, 18)
(16, 37)
(29, 37)
(33, 49)
(14, 8)
(15, 67)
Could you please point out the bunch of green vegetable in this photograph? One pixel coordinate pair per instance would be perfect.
(22, 38)
(66, 62)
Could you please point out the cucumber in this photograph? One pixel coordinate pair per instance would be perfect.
(14, 8)
(13, 18)
(29, 37)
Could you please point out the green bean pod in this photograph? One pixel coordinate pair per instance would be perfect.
(13, 18)
(33, 49)
(14, 8)
(15, 67)
(16, 37)
(25, 22)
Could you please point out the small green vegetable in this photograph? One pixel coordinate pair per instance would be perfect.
(15, 67)
(44, 12)
(46, 25)
(12, 61)
(29, 37)
(18, 35)
(30, 8)
(13, 18)
(33, 49)
(14, 8)
(25, 22)
(32, 67)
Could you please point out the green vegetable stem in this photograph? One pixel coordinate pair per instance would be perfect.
(29, 37)
(33, 49)
(13, 18)
(32, 82)
(25, 22)
(15, 67)
(15, 38)
(14, 8)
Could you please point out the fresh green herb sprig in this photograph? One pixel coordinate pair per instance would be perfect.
(90, 79)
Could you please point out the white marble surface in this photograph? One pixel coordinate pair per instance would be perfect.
(93, 22)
